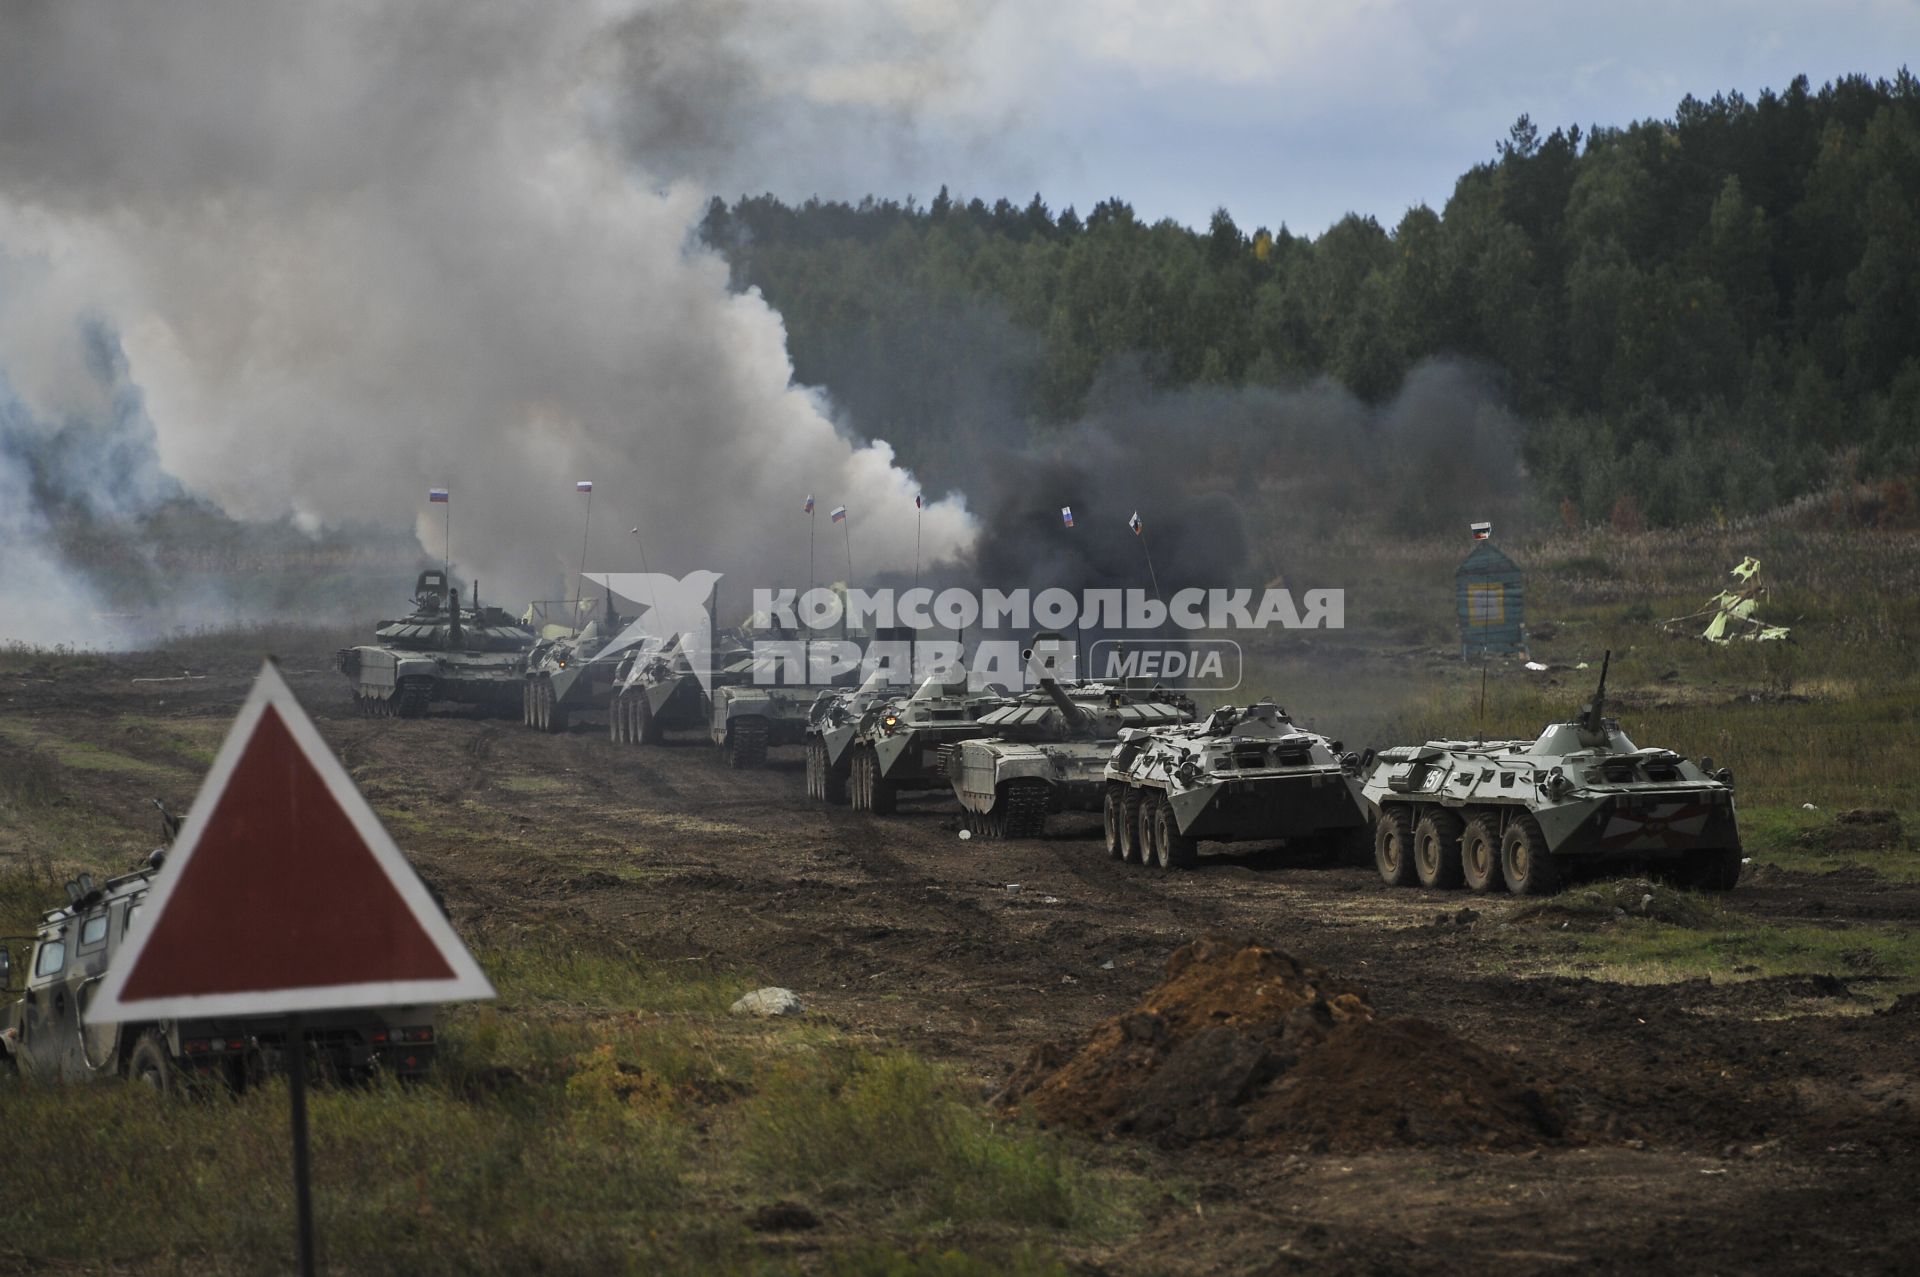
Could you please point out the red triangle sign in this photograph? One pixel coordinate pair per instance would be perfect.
(283, 892)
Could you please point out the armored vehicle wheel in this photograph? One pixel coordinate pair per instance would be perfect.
(1393, 846)
(814, 788)
(1113, 814)
(1171, 848)
(833, 781)
(650, 731)
(861, 778)
(1132, 849)
(1525, 862)
(747, 745)
(1148, 827)
(1714, 870)
(1026, 803)
(1480, 855)
(526, 703)
(883, 795)
(1436, 850)
(616, 720)
(150, 1065)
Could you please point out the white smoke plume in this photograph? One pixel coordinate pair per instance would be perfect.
(352, 251)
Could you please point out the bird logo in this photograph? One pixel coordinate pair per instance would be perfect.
(675, 609)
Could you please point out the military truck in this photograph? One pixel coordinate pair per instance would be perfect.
(45, 1034)
(439, 652)
(901, 743)
(1527, 814)
(567, 675)
(1240, 774)
(1046, 751)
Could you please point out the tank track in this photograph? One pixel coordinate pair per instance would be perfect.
(748, 746)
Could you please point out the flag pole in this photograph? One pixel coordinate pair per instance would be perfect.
(846, 529)
(813, 577)
(446, 541)
(918, 515)
(585, 530)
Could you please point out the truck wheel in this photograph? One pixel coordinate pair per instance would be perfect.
(1436, 850)
(1393, 847)
(1113, 812)
(1132, 851)
(1173, 849)
(1717, 869)
(1480, 855)
(150, 1065)
(1525, 862)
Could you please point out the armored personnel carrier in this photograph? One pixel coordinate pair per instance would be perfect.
(1046, 751)
(656, 689)
(1525, 813)
(439, 652)
(45, 1034)
(567, 675)
(831, 720)
(901, 743)
(1238, 775)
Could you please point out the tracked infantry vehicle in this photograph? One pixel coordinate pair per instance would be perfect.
(1238, 775)
(1046, 751)
(45, 1034)
(438, 653)
(1525, 814)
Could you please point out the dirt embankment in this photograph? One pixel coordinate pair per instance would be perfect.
(1246, 1045)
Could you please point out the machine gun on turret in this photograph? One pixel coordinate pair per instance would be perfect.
(1592, 721)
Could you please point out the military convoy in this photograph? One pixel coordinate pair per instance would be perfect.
(1526, 814)
(45, 1034)
(439, 652)
(1237, 775)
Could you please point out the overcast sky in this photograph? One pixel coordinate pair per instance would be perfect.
(1292, 111)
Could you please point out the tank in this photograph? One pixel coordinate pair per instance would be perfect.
(1527, 815)
(566, 674)
(751, 715)
(896, 743)
(1046, 751)
(439, 653)
(1238, 775)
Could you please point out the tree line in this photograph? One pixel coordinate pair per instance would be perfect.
(1708, 314)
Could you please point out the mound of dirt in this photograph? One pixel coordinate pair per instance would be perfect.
(1610, 901)
(1861, 829)
(1245, 1044)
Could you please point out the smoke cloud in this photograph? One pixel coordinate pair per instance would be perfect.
(353, 251)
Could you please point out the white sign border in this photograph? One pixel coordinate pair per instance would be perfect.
(468, 984)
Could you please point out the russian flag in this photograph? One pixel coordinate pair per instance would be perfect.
(809, 506)
(1481, 531)
(437, 496)
(1139, 528)
(916, 501)
(585, 485)
(839, 514)
(1066, 515)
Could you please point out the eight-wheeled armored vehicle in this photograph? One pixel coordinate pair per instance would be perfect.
(1524, 813)
(657, 690)
(439, 652)
(1237, 775)
(45, 1034)
(568, 674)
(900, 743)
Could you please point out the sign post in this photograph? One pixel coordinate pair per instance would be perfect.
(285, 895)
